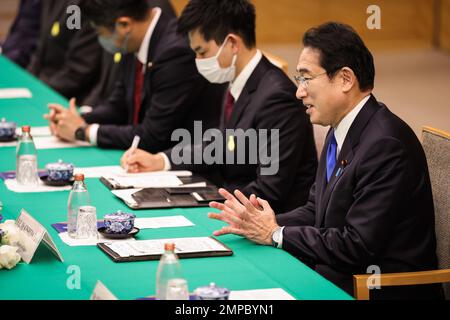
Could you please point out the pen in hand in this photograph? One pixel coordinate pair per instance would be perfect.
(133, 148)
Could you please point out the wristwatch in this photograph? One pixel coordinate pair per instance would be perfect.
(80, 133)
(276, 237)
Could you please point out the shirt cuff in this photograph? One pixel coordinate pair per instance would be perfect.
(167, 165)
(280, 242)
(93, 131)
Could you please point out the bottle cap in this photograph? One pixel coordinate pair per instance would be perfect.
(79, 177)
(169, 247)
(26, 129)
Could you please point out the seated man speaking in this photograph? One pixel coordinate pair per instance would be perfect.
(260, 112)
(159, 89)
(371, 204)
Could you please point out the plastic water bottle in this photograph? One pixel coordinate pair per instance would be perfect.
(26, 159)
(79, 197)
(170, 283)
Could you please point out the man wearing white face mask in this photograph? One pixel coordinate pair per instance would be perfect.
(159, 89)
(260, 97)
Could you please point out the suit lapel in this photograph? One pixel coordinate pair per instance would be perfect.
(245, 97)
(346, 155)
(153, 47)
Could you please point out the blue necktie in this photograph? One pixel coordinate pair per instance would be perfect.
(331, 156)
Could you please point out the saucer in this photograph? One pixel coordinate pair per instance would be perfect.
(9, 139)
(132, 233)
(57, 183)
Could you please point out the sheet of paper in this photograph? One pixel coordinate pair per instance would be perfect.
(147, 181)
(264, 294)
(126, 195)
(49, 142)
(15, 93)
(162, 222)
(101, 292)
(97, 172)
(155, 247)
(104, 171)
(179, 174)
(36, 131)
(82, 243)
(13, 186)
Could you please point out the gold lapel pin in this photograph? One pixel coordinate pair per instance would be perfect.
(231, 144)
(56, 29)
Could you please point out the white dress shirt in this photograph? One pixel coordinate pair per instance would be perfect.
(142, 56)
(236, 88)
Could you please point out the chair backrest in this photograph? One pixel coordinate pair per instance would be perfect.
(277, 61)
(436, 144)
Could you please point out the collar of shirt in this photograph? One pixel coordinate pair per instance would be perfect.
(142, 54)
(341, 130)
(238, 84)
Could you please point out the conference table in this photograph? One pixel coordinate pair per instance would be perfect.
(251, 266)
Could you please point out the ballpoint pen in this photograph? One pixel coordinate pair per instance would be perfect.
(133, 148)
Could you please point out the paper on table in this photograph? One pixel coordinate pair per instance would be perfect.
(81, 243)
(15, 93)
(155, 247)
(50, 142)
(97, 172)
(105, 171)
(147, 181)
(36, 131)
(126, 196)
(13, 186)
(264, 294)
(162, 222)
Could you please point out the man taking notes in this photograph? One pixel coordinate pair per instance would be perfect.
(159, 89)
(260, 98)
(371, 204)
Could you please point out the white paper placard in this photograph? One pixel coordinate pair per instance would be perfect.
(32, 235)
(101, 292)
(15, 93)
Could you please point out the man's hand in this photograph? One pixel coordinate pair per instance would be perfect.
(141, 161)
(251, 218)
(64, 122)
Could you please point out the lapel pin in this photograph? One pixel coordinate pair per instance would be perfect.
(117, 57)
(231, 144)
(56, 29)
(150, 65)
(344, 163)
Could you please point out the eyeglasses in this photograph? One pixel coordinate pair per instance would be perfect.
(304, 81)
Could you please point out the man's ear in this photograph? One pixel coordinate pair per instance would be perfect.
(235, 41)
(348, 78)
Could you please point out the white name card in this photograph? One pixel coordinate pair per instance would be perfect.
(32, 235)
(101, 292)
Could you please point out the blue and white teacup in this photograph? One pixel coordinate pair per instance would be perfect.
(119, 222)
(59, 171)
(7, 130)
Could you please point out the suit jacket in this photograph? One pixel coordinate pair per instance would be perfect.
(377, 208)
(174, 95)
(268, 102)
(23, 35)
(110, 67)
(66, 60)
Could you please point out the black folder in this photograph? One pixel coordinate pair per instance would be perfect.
(160, 198)
(117, 258)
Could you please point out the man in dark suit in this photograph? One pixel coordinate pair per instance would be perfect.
(23, 35)
(66, 59)
(159, 90)
(371, 204)
(260, 97)
(110, 67)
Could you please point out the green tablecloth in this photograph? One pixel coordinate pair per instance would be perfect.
(251, 267)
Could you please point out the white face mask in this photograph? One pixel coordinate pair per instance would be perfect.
(213, 72)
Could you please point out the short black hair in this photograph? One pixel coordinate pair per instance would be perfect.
(340, 46)
(215, 19)
(106, 12)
